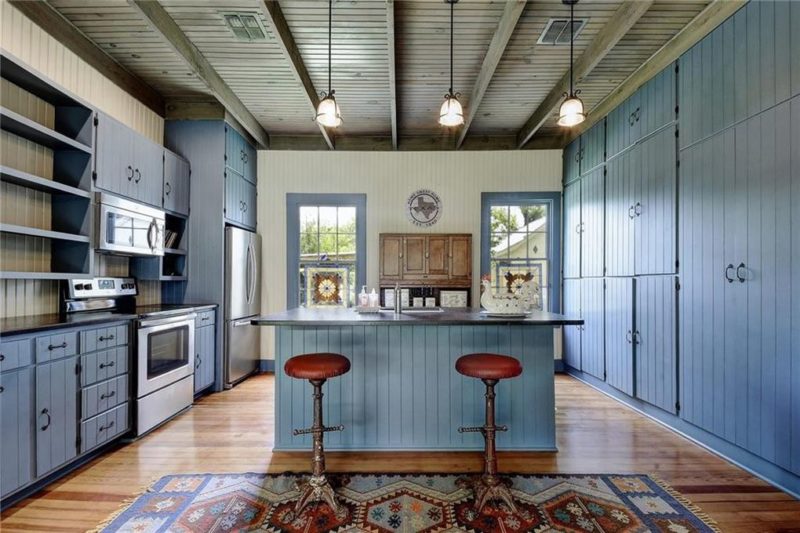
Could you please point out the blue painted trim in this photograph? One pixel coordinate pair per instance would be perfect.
(769, 472)
(266, 366)
(553, 201)
(293, 203)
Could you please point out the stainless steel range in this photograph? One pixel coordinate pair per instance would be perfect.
(164, 358)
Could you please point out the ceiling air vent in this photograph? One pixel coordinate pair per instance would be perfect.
(245, 26)
(557, 31)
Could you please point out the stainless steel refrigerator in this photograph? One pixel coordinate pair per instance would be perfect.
(242, 303)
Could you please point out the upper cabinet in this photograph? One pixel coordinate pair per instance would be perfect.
(426, 259)
(240, 156)
(572, 161)
(128, 164)
(176, 183)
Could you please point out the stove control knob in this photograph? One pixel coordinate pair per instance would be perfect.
(87, 286)
(79, 286)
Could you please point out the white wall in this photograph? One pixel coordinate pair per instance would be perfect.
(388, 178)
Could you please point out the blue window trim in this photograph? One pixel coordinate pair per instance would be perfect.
(553, 201)
(293, 203)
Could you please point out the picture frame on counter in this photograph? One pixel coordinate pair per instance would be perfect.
(453, 298)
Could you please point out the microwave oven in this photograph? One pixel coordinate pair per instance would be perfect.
(128, 228)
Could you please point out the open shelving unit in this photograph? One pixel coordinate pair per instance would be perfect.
(172, 265)
(66, 245)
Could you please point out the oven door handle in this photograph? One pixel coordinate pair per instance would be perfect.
(150, 238)
(169, 321)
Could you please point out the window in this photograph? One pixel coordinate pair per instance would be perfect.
(326, 245)
(519, 242)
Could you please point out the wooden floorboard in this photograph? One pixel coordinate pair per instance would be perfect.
(233, 432)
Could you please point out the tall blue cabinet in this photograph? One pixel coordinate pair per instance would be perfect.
(700, 202)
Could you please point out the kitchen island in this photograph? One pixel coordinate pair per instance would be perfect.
(402, 391)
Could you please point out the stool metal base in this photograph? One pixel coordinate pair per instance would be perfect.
(487, 488)
(316, 489)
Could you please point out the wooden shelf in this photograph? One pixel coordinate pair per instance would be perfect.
(45, 275)
(174, 251)
(33, 131)
(43, 233)
(12, 175)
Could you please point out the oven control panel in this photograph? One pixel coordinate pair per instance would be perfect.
(102, 287)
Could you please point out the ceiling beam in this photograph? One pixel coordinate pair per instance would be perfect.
(505, 28)
(272, 12)
(621, 21)
(51, 21)
(158, 19)
(712, 16)
(392, 71)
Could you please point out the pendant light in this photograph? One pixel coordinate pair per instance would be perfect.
(451, 112)
(571, 112)
(328, 113)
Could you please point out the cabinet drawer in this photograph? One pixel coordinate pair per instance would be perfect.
(205, 318)
(102, 338)
(14, 354)
(103, 365)
(50, 347)
(103, 396)
(104, 427)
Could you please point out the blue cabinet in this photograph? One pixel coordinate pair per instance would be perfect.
(592, 224)
(623, 173)
(572, 230)
(593, 147)
(176, 183)
(56, 414)
(619, 335)
(572, 161)
(593, 330)
(572, 334)
(205, 353)
(16, 428)
(240, 201)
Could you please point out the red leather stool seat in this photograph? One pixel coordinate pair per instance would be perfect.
(317, 366)
(488, 366)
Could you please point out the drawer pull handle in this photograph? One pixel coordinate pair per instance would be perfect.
(167, 188)
(202, 319)
(130, 173)
(109, 365)
(46, 412)
(103, 428)
(57, 346)
(138, 176)
(727, 270)
(629, 337)
(109, 395)
(739, 269)
(108, 338)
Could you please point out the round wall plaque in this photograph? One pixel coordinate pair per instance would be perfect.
(424, 207)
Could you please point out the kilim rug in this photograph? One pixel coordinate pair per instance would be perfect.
(394, 503)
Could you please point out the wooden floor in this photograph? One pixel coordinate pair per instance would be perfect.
(232, 432)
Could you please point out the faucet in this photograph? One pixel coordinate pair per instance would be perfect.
(398, 303)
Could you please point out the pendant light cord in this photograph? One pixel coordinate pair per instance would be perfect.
(571, 45)
(330, 33)
(452, 5)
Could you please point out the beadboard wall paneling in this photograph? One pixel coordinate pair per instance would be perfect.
(388, 178)
(19, 205)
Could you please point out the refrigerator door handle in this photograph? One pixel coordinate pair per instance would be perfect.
(251, 292)
(247, 268)
(240, 323)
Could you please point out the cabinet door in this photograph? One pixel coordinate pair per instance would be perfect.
(234, 150)
(414, 256)
(655, 207)
(656, 357)
(572, 334)
(148, 171)
(176, 183)
(572, 230)
(250, 217)
(16, 429)
(204, 358)
(619, 334)
(623, 171)
(250, 160)
(114, 166)
(657, 101)
(391, 247)
(438, 257)
(593, 147)
(572, 161)
(461, 258)
(56, 415)
(592, 343)
(592, 227)
(622, 128)
(235, 193)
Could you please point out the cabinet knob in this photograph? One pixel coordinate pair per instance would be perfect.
(739, 269)
(130, 173)
(167, 188)
(727, 270)
(138, 176)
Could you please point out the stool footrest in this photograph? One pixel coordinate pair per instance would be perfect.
(481, 429)
(324, 429)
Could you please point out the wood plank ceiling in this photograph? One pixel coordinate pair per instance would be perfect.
(267, 83)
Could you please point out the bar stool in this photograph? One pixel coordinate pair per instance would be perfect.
(317, 368)
(489, 368)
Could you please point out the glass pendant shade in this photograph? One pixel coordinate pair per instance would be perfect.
(328, 113)
(571, 112)
(451, 112)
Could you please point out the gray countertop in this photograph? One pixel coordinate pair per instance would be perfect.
(349, 317)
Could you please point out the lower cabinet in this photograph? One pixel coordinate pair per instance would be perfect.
(619, 334)
(16, 429)
(592, 345)
(205, 352)
(56, 414)
(572, 334)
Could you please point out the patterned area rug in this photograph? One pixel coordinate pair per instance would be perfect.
(393, 503)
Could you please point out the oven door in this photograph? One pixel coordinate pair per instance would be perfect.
(127, 228)
(165, 352)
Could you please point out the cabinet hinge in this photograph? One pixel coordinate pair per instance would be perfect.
(78, 442)
(677, 284)
(678, 163)
(677, 67)
(676, 133)
(77, 368)
(677, 406)
(677, 108)
(94, 175)
(96, 120)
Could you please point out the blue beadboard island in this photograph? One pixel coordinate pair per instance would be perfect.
(402, 391)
